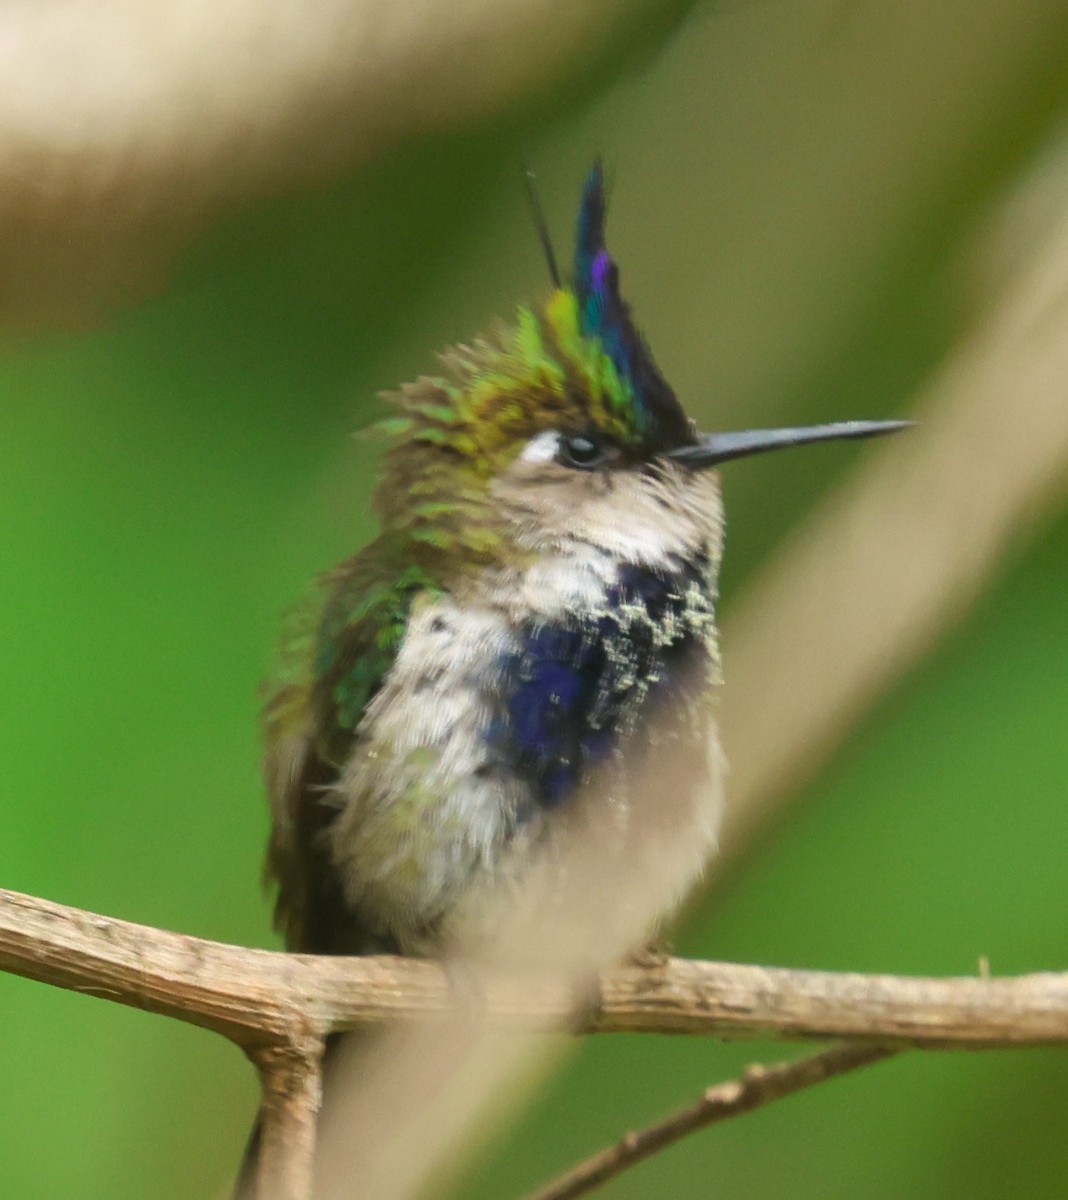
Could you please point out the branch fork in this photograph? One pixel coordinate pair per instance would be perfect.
(280, 1008)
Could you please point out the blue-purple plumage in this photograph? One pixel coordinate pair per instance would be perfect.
(605, 315)
(573, 688)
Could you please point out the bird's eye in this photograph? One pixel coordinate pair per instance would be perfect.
(582, 451)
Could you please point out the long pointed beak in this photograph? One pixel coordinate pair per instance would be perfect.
(715, 448)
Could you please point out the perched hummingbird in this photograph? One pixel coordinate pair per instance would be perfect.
(544, 583)
(551, 531)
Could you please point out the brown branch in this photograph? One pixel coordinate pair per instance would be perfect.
(280, 1008)
(262, 998)
(292, 1081)
(757, 1086)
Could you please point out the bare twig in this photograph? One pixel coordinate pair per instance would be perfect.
(280, 1008)
(758, 1086)
(292, 1081)
(262, 998)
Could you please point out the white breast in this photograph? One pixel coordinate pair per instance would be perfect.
(426, 818)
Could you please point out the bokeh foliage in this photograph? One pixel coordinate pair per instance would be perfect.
(796, 192)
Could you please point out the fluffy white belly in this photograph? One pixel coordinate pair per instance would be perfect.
(432, 821)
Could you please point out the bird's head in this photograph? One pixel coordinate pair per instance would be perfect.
(561, 425)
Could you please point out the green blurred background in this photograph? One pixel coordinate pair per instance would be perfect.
(802, 197)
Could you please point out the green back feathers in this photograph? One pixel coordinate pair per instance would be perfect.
(360, 633)
(338, 645)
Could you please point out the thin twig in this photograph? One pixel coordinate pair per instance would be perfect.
(257, 998)
(757, 1086)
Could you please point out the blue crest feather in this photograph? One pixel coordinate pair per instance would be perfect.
(605, 315)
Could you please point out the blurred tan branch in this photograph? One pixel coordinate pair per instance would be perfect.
(757, 1086)
(264, 999)
(124, 126)
(872, 579)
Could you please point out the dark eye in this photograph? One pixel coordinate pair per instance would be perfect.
(582, 451)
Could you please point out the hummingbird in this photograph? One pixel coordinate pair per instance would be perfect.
(545, 579)
(543, 589)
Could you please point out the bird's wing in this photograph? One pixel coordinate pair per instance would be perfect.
(336, 651)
